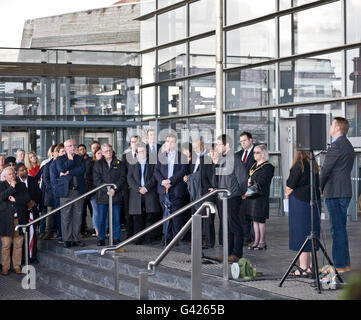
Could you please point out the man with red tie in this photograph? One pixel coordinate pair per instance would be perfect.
(246, 157)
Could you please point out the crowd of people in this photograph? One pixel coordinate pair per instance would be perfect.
(152, 181)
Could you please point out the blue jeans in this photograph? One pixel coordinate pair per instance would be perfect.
(103, 214)
(337, 208)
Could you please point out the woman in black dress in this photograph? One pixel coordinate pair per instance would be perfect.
(261, 173)
(298, 193)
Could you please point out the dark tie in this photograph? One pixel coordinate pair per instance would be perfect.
(245, 156)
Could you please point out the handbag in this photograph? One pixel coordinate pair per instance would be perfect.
(253, 190)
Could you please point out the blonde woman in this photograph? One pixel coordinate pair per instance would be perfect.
(261, 174)
(32, 163)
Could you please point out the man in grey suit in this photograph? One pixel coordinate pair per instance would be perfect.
(335, 185)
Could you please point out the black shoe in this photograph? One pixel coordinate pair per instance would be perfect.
(34, 260)
(101, 243)
(67, 244)
(78, 244)
(115, 242)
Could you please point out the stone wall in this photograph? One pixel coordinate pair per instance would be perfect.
(112, 28)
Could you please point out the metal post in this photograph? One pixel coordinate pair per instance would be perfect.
(219, 66)
(26, 239)
(143, 285)
(196, 254)
(116, 272)
(225, 238)
(110, 216)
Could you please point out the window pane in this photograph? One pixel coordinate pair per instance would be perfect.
(171, 26)
(171, 98)
(148, 101)
(172, 62)
(353, 71)
(286, 4)
(353, 9)
(242, 10)
(148, 67)
(314, 29)
(166, 3)
(147, 6)
(202, 16)
(251, 44)
(202, 95)
(250, 87)
(147, 34)
(311, 79)
(202, 55)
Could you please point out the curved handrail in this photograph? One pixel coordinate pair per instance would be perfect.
(180, 234)
(157, 224)
(65, 205)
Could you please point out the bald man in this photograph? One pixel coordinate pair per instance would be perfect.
(70, 185)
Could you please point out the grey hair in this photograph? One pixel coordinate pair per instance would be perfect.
(104, 145)
(264, 152)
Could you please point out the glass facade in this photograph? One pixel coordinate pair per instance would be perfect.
(281, 58)
(47, 96)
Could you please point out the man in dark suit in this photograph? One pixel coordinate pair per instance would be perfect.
(246, 157)
(144, 205)
(335, 184)
(34, 205)
(13, 211)
(70, 185)
(54, 176)
(232, 175)
(129, 158)
(200, 175)
(152, 146)
(169, 173)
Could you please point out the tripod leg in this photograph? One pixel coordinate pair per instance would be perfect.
(294, 262)
(315, 264)
(329, 260)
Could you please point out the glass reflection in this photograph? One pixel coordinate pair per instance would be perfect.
(251, 44)
(202, 58)
(172, 62)
(202, 95)
(313, 29)
(171, 98)
(250, 87)
(171, 25)
(353, 71)
(147, 33)
(148, 67)
(353, 22)
(202, 16)
(242, 10)
(311, 79)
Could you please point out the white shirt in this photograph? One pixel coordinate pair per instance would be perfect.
(248, 152)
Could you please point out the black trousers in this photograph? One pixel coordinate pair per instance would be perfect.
(144, 220)
(175, 224)
(235, 229)
(247, 223)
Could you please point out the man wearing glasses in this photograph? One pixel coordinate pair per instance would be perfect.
(70, 185)
(109, 170)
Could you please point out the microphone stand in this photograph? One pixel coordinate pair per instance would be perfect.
(313, 238)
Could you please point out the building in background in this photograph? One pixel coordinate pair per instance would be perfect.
(154, 60)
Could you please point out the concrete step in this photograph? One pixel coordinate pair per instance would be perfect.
(72, 288)
(165, 279)
(103, 278)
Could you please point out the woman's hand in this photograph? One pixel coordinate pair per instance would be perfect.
(288, 192)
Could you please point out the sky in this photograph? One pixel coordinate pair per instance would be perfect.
(13, 14)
